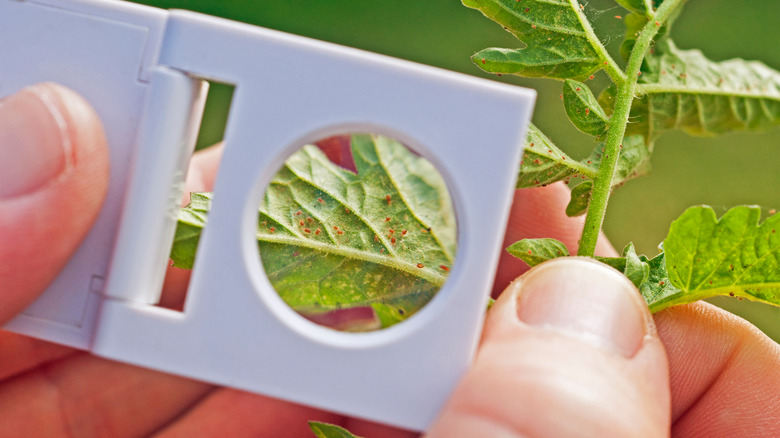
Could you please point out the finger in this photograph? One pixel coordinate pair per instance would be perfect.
(339, 150)
(89, 396)
(536, 213)
(723, 373)
(568, 350)
(236, 414)
(203, 170)
(53, 179)
(20, 353)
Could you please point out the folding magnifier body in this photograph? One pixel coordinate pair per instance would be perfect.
(145, 71)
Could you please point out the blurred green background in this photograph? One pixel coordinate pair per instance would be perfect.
(738, 168)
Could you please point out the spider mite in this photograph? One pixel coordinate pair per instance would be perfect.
(392, 240)
(306, 230)
(318, 231)
(444, 268)
(420, 265)
(320, 200)
(388, 219)
(389, 199)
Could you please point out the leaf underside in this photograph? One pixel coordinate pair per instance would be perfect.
(325, 430)
(580, 198)
(583, 109)
(330, 239)
(634, 159)
(536, 251)
(543, 163)
(557, 44)
(684, 90)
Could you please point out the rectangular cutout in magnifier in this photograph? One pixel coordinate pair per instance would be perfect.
(200, 178)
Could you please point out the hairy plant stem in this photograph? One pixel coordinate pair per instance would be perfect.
(602, 184)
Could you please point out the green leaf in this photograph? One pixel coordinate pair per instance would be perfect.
(637, 270)
(643, 7)
(536, 251)
(580, 198)
(630, 264)
(325, 430)
(634, 23)
(380, 240)
(684, 90)
(559, 42)
(543, 163)
(582, 108)
(192, 219)
(735, 255)
(634, 159)
(658, 291)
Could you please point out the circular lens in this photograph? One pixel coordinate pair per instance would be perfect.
(357, 232)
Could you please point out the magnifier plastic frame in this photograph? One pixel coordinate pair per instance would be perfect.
(144, 70)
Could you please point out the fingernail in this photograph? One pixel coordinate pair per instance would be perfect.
(586, 300)
(34, 141)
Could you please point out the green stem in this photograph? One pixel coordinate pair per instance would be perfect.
(602, 185)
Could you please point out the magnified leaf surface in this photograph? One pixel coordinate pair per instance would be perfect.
(382, 238)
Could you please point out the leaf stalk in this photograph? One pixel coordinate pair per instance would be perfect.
(602, 185)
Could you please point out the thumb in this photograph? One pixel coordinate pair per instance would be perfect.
(569, 349)
(53, 178)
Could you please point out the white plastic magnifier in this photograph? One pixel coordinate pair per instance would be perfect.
(144, 71)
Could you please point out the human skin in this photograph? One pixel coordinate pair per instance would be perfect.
(546, 366)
